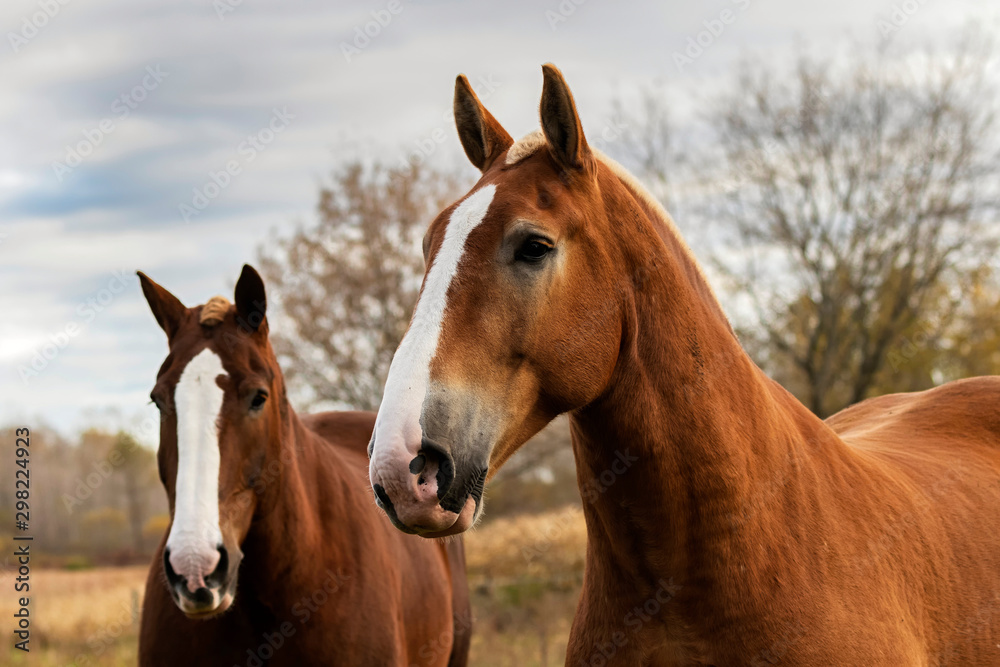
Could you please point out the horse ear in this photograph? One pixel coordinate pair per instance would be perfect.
(482, 136)
(560, 122)
(167, 308)
(251, 301)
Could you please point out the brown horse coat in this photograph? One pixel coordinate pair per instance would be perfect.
(324, 580)
(727, 525)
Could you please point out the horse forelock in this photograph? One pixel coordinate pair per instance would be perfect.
(214, 311)
(525, 147)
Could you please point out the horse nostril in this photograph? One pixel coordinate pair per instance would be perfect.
(218, 575)
(417, 464)
(383, 501)
(172, 577)
(434, 453)
(382, 497)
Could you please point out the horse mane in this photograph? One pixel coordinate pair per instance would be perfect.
(214, 311)
(531, 143)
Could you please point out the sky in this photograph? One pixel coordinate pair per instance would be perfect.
(178, 137)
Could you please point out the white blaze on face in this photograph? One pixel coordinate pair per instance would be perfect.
(398, 422)
(195, 536)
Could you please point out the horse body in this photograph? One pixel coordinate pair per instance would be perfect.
(727, 525)
(323, 579)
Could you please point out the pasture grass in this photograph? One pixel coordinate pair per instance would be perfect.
(524, 574)
(83, 618)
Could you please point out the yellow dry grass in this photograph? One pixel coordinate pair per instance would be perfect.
(544, 546)
(524, 574)
(79, 618)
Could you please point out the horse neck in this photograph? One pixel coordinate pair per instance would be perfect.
(696, 433)
(302, 487)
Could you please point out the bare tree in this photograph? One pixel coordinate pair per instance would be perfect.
(642, 137)
(858, 201)
(347, 285)
(972, 346)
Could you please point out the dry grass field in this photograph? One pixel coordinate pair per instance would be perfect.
(84, 618)
(525, 576)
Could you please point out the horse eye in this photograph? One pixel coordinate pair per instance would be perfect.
(258, 400)
(155, 401)
(533, 250)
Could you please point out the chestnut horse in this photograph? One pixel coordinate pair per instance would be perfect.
(281, 503)
(727, 525)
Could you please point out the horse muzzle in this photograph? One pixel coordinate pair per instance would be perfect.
(425, 492)
(202, 587)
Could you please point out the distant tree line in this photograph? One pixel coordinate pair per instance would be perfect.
(93, 500)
